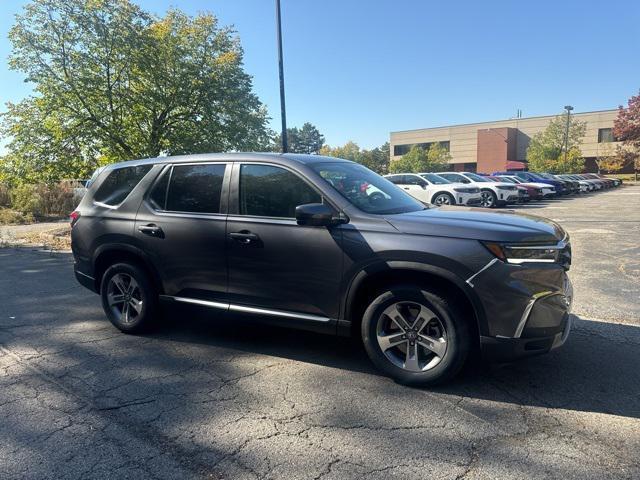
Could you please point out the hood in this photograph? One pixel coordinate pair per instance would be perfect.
(499, 184)
(546, 180)
(478, 224)
(539, 185)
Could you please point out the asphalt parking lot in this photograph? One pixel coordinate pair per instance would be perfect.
(209, 398)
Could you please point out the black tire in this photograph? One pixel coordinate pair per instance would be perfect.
(443, 198)
(491, 200)
(142, 316)
(457, 335)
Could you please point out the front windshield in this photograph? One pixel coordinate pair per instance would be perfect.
(365, 189)
(507, 179)
(477, 178)
(435, 179)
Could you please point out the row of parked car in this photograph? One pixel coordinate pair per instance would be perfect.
(498, 189)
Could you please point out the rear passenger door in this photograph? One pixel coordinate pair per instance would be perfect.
(274, 263)
(181, 224)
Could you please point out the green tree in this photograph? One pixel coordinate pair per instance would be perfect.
(376, 159)
(307, 139)
(419, 160)
(113, 82)
(546, 149)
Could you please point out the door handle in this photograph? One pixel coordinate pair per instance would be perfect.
(151, 229)
(243, 237)
(406, 188)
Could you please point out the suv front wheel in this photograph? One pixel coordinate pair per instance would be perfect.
(128, 297)
(489, 198)
(416, 336)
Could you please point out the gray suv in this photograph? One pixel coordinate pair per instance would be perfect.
(323, 244)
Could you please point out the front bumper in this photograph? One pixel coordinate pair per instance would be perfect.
(527, 307)
(468, 199)
(505, 198)
(504, 349)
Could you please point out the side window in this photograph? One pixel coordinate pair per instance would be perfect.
(268, 191)
(195, 188)
(413, 180)
(158, 195)
(396, 179)
(119, 184)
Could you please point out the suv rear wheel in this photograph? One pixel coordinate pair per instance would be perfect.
(416, 336)
(129, 298)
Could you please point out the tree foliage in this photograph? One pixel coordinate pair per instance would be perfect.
(113, 82)
(626, 128)
(546, 151)
(376, 159)
(610, 160)
(418, 160)
(307, 139)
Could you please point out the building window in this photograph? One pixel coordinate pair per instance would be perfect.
(404, 149)
(401, 149)
(605, 135)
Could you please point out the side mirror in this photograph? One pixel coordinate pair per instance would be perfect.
(466, 181)
(423, 185)
(314, 215)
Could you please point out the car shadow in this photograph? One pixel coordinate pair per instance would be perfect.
(595, 371)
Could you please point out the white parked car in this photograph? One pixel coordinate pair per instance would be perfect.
(432, 188)
(494, 194)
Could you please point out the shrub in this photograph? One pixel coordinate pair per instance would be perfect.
(42, 200)
(58, 199)
(12, 217)
(25, 199)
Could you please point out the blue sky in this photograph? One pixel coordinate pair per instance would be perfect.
(359, 69)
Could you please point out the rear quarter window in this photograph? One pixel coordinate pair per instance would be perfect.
(119, 184)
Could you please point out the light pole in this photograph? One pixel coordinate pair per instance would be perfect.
(283, 114)
(568, 108)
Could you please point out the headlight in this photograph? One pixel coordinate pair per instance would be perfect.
(517, 253)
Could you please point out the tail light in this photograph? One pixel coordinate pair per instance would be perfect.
(74, 217)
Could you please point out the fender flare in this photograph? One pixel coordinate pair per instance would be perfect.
(372, 269)
(130, 249)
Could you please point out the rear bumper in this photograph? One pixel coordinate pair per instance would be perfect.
(85, 280)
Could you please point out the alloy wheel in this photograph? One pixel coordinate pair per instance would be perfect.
(411, 336)
(442, 199)
(124, 297)
(487, 199)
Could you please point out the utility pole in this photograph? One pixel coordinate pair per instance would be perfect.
(283, 114)
(568, 108)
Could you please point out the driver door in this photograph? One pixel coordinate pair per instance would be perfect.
(416, 187)
(275, 264)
